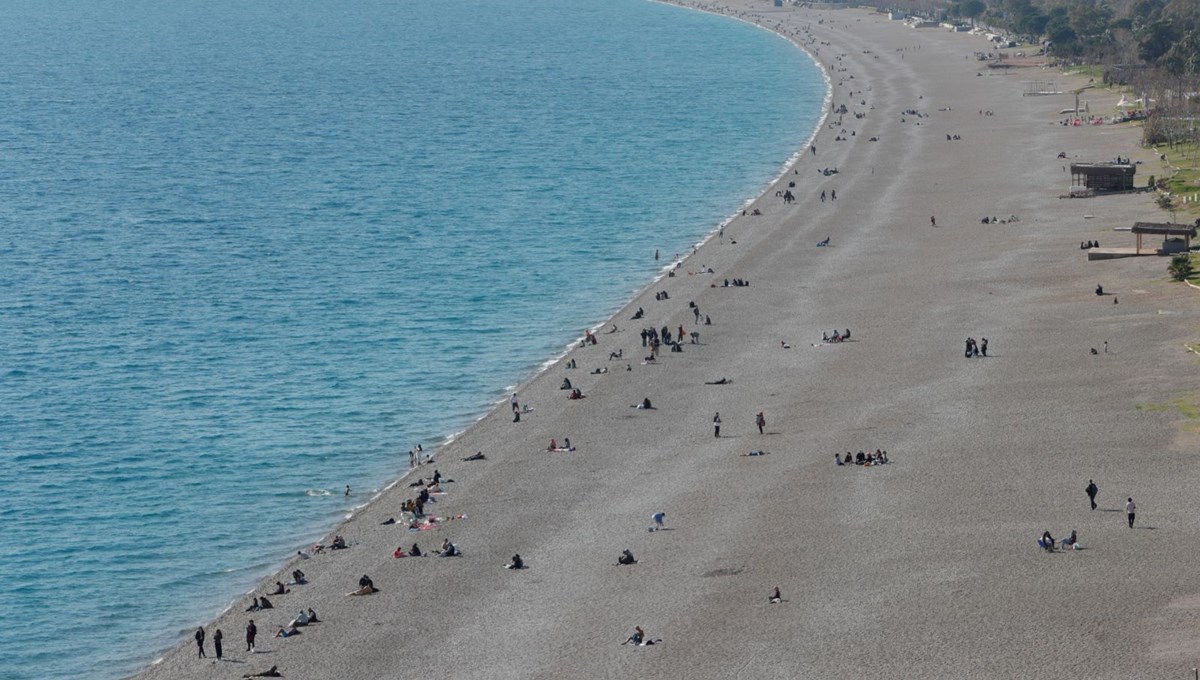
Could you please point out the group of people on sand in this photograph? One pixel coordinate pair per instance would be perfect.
(837, 336)
(1088, 245)
(976, 349)
(565, 447)
(736, 283)
(1046, 542)
(862, 458)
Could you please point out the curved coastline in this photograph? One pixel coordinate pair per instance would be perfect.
(279, 569)
(930, 557)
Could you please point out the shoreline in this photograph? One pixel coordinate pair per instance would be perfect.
(280, 569)
(569, 513)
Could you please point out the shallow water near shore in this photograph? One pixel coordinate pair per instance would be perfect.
(251, 254)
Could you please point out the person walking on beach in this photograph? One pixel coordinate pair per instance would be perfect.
(932, 221)
(217, 635)
(1131, 511)
(761, 421)
(251, 631)
(717, 425)
(200, 643)
(1092, 490)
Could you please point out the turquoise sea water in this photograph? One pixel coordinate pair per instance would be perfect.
(251, 253)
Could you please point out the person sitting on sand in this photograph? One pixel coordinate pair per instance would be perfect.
(517, 562)
(860, 458)
(838, 459)
(626, 557)
(449, 549)
(1071, 541)
(566, 384)
(298, 578)
(645, 405)
(1099, 290)
(254, 606)
(279, 589)
(1046, 541)
(365, 581)
(399, 552)
(312, 616)
(272, 673)
(264, 603)
(553, 445)
(776, 597)
(339, 543)
(415, 551)
(638, 636)
(300, 620)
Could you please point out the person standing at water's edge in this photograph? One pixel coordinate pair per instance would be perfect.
(217, 636)
(1131, 511)
(200, 643)
(1092, 490)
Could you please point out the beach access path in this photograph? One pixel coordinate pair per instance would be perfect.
(926, 567)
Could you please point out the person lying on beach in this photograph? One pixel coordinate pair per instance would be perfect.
(517, 562)
(626, 557)
(776, 597)
(823, 244)
(279, 589)
(264, 603)
(365, 590)
(598, 371)
(757, 453)
(273, 672)
(478, 455)
(287, 631)
(722, 381)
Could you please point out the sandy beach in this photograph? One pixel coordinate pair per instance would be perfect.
(924, 567)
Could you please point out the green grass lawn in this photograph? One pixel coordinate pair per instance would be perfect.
(1184, 185)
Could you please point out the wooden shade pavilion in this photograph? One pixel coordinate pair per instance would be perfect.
(1167, 230)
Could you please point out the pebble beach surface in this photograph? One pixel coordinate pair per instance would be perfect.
(924, 567)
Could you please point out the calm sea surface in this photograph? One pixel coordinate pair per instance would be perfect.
(252, 252)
